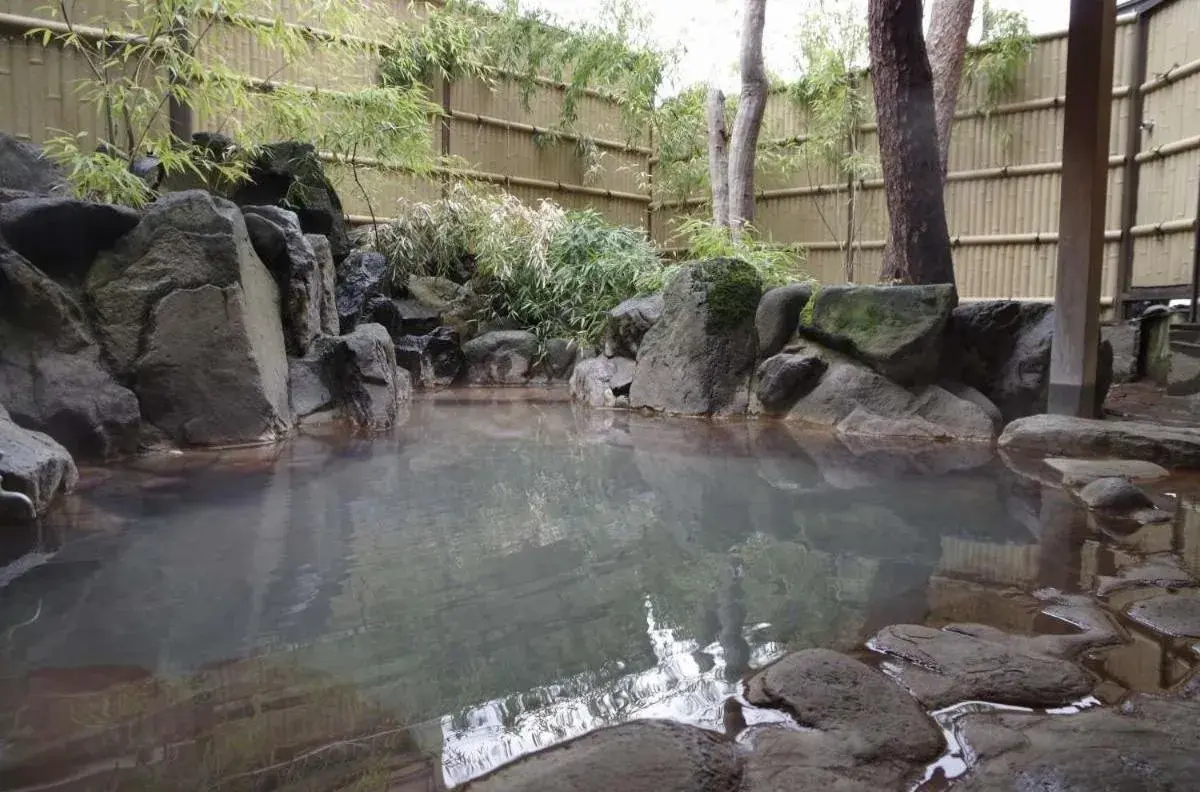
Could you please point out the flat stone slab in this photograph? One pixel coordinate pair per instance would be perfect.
(1161, 570)
(641, 756)
(1059, 435)
(850, 701)
(1177, 615)
(1077, 472)
(975, 663)
(1147, 744)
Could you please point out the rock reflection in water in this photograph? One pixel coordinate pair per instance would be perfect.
(490, 579)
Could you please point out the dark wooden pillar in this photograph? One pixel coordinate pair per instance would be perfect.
(1073, 358)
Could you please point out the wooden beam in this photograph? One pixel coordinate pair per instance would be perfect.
(1088, 118)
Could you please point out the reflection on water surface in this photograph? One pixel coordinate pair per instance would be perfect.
(493, 578)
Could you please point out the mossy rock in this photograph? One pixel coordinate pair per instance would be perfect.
(733, 289)
(698, 357)
(896, 330)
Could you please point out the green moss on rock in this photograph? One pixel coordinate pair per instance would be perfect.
(733, 289)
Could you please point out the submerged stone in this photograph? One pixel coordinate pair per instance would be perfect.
(836, 694)
(642, 756)
(1060, 435)
(969, 663)
(1161, 570)
(1147, 744)
(1085, 471)
(1177, 615)
(1114, 494)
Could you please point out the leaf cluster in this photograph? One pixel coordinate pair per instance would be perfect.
(154, 52)
(554, 272)
(995, 64)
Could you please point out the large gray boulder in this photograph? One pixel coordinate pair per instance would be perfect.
(34, 466)
(501, 357)
(24, 167)
(353, 377)
(855, 400)
(290, 174)
(433, 360)
(896, 330)
(641, 756)
(1002, 349)
(188, 312)
(699, 357)
(778, 316)
(1060, 435)
(51, 374)
(598, 381)
(360, 276)
(330, 323)
(628, 324)
(61, 236)
(782, 380)
(288, 254)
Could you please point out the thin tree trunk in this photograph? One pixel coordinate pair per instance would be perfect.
(948, 29)
(718, 156)
(908, 146)
(748, 124)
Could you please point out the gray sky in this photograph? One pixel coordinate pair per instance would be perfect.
(709, 29)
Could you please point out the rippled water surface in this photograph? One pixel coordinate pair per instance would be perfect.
(492, 578)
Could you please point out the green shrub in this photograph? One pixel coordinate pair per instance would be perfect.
(554, 272)
(776, 264)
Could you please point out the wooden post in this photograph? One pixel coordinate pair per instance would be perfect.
(447, 106)
(1133, 170)
(180, 118)
(1074, 354)
(1192, 306)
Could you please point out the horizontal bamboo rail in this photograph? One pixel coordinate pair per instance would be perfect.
(494, 178)
(981, 174)
(516, 126)
(1171, 76)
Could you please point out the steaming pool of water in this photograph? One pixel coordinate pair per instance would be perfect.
(496, 576)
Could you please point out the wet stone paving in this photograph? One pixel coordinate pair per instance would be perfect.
(506, 594)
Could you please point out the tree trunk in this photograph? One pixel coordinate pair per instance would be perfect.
(908, 146)
(718, 156)
(948, 29)
(748, 124)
